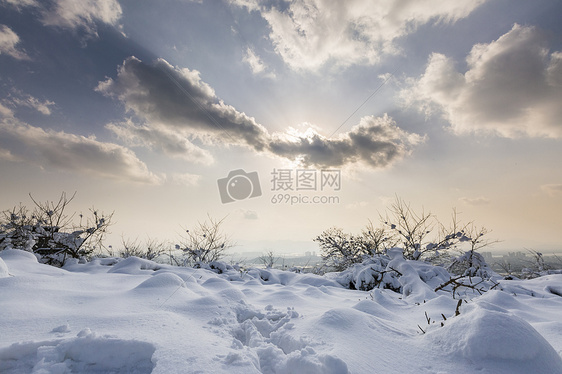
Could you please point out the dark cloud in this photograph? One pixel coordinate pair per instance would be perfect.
(178, 99)
(169, 100)
(72, 153)
(375, 142)
(247, 214)
(512, 87)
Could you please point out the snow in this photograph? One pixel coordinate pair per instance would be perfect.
(136, 316)
(494, 338)
(85, 353)
(3, 269)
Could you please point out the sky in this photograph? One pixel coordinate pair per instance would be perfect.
(285, 118)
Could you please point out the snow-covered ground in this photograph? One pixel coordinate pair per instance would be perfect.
(136, 316)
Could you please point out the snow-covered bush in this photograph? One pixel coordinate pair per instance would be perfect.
(371, 273)
(420, 280)
(471, 264)
(50, 233)
(421, 237)
(340, 250)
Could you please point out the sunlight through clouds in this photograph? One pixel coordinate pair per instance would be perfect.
(176, 100)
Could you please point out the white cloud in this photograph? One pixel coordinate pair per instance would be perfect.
(82, 14)
(310, 33)
(71, 153)
(18, 98)
(7, 155)
(256, 64)
(5, 111)
(8, 42)
(160, 139)
(18, 4)
(74, 14)
(512, 87)
(475, 200)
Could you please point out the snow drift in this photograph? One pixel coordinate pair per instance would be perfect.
(137, 316)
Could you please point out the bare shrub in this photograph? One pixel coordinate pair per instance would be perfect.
(150, 250)
(205, 243)
(269, 259)
(420, 235)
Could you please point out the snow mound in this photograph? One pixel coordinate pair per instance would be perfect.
(86, 353)
(500, 341)
(286, 278)
(162, 280)
(3, 269)
(15, 254)
(134, 265)
(308, 361)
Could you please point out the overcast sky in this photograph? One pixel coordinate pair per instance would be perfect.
(143, 106)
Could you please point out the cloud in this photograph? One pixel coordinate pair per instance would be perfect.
(161, 140)
(17, 99)
(19, 4)
(512, 87)
(5, 111)
(169, 100)
(310, 33)
(175, 98)
(71, 153)
(7, 155)
(247, 214)
(475, 200)
(82, 14)
(256, 64)
(74, 15)
(8, 41)
(376, 142)
(552, 189)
